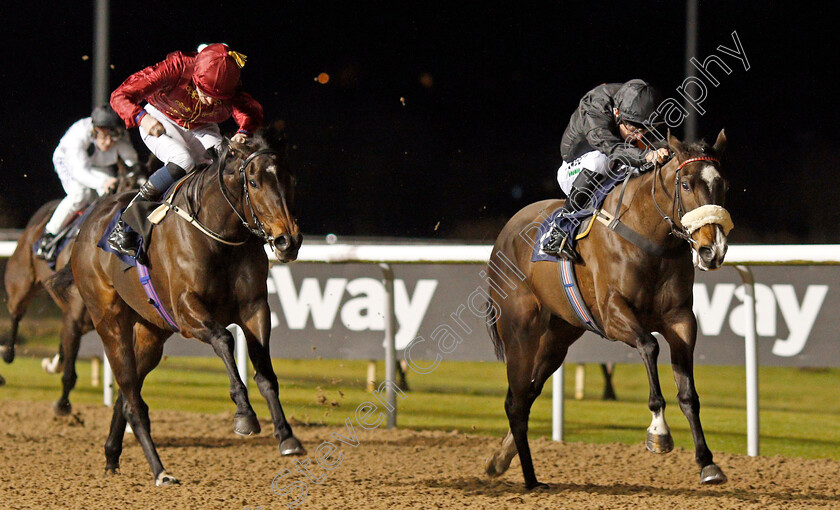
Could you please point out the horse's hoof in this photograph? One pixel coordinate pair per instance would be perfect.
(8, 352)
(164, 479)
(712, 475)
(62, 408)
(112, 470)
(537, 486)
(247, 425)
(291, 446)
(492, 468)
(659, 443)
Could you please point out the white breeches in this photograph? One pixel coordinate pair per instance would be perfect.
(78, 196)
(594, 161)
(183, 147)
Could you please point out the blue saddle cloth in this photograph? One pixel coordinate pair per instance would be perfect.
(571, 223)
(104, 245)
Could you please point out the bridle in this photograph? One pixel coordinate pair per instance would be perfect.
(676, 200)
(258, 229)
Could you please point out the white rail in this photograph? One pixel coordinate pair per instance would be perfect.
(740, 256)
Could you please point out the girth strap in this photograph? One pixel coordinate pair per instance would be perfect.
(569, 280)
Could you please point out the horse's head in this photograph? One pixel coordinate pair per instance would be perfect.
(699, 195)
(132, 177)
(261, 171)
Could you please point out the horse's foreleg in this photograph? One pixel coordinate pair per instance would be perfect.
(257, 329)
(659, 438)
(624, 326)
(20, 287)
(681, 337)
(200, 325)
(72, 329)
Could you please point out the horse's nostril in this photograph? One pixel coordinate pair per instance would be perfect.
(706, 253)
(283, 242)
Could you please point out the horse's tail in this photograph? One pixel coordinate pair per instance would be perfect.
(61, 282)
(491, 320)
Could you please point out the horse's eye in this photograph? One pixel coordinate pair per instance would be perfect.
(253, 183)
(685, 185)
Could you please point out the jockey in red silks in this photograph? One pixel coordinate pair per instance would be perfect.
(84, 161)
(185, 97)
(604, 138)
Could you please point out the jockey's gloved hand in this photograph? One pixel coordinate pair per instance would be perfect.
(657, 156)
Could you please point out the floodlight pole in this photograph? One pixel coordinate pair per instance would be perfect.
(691, 21)
(101, 21)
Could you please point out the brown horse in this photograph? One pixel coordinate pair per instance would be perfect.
(208, 272)
(25, 276)
(629, 290)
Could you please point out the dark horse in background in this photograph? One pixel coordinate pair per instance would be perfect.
(630, 292)
(25, 276)
(208, 273)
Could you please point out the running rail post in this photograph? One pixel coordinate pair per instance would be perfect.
(241, 353)
(107, 381)
(750, 359)
(557, 404)
(390, 343)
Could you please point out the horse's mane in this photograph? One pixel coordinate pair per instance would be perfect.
(270, 137)
(686, 149)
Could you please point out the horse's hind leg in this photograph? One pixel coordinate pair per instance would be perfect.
(529, 366)
(266, 381)
(73, 327)
(117, 339)
(681, 335)
(148, 352)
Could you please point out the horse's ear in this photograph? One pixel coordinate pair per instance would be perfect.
(720, 143)
(674, 142)
(237, 149)
(275, 135)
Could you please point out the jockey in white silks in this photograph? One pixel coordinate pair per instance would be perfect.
(85, 161)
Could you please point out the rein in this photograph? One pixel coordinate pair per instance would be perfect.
(191, 217)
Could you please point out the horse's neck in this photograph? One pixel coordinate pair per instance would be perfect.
(203, 198)
(638, 210)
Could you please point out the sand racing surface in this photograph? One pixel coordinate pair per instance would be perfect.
(49, 462)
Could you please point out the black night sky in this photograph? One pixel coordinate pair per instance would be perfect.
(442, 119)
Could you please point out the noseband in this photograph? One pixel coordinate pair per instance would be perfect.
(258, 229)
(677, 209)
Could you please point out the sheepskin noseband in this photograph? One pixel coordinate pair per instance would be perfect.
(707, 215)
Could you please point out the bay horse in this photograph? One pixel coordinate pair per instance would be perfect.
(26, 274)
(208, 272)
(630, 291)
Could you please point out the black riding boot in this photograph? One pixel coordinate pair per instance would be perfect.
(126, 242)
(559, 242)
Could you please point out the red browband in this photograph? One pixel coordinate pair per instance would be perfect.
(692, 160)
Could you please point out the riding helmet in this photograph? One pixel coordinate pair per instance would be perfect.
(216, 71)
(636, 102)
(104, 117)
